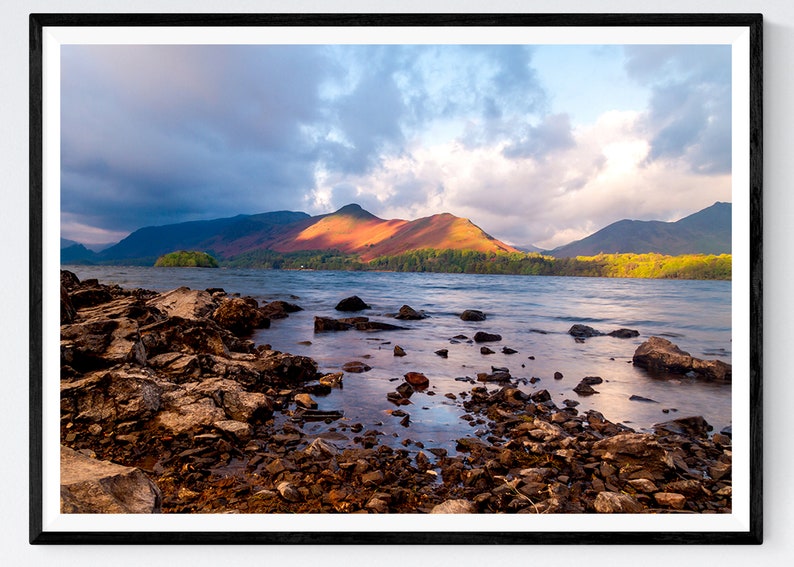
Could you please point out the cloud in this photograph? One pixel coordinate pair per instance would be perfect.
(689, 117)
(163, 134)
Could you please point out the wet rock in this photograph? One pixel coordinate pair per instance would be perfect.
(321, 449)
(499, 376)
(635, 449)
(624, 333)
(558, 376)
(408, 313)
(583, 331)
(483, 337)
(472, 315)
(332, 380)
(399, 351)
(89, 297)
(405, 390)
(356, 366)
(191, 336)
(458, 506)
(443, 353)
(616, 503)
(69, 280)
(592, 380)
(659, 354)
(279, 309)
(91, 486)
(584, 389)
(694, 426)
(68, 312)
(305, 401)
(378, 326)
(353, 303)
(417, 379)
(636, 398)
(285, 368)
(508, 350)
(486, 350)
(322, 324)
(540, 396)
(181, 367)
(643, 485)
(238, 316)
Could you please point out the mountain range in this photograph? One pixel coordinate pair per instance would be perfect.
(705, 232)
(352, 230)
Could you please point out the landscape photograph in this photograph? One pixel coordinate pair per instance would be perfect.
(397, 279)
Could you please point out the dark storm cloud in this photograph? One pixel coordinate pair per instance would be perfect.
(690, 109)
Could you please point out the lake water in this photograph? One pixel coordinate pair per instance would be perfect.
(533, 315)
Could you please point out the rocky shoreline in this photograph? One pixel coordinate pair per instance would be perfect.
(166, 406)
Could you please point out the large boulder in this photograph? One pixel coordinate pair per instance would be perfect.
(192, 336)
(239, 316)
(483, 337)
(90, 486)
(322, 324)
(185, 303)
(658, 354)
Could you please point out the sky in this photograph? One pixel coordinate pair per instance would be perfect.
(536, 144)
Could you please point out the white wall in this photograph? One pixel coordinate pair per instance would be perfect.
(778, 272)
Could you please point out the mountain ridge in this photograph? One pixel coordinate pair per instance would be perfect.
(707, 231)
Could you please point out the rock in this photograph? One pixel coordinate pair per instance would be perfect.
(443, 353)
(583, 331)
(121, 394)
(558, 376)
(179, 366)
(486, 350)
(642, 450)
(405, 390)
(180, 417)
(584, 389)
(90, 486)
(68, 312)
(398, 350)
(353, 303)
(69, 280)
(499, 376)
(472, 315)
(624, 333)
(417, 379)
(659, 354)
(694, 426)
(410, 314)
(238, 316)
(670, 500)
(101, 343)
(643, 485)
(279, 309)
(321, 449)
(483, 337)
(305, 401)
(592, 380)
(191, 336)
(322, 324)
(185, 303)
(356, 366)
(508, 350)
(288, 492)
(378, 326)
(286, 368)
(540, 396)
(636, 398)
(237, 429)
(89, 297)
(616, 503)
(332, 380)
(458, 506)
(374, 478)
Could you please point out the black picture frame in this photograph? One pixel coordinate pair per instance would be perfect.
(38, 25)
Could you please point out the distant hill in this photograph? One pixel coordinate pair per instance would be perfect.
(77, 254)
(705, 232)
(350, 230)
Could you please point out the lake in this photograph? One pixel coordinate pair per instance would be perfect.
(531, 313)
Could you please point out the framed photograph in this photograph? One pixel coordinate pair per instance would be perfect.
(398, 279)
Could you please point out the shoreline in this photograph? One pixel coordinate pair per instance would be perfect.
(167, 383)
